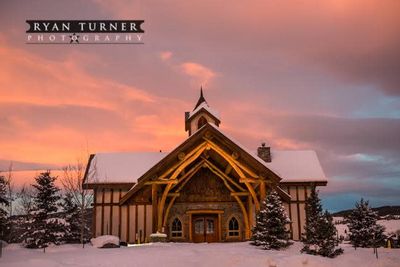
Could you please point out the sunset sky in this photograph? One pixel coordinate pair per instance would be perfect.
(320, 75)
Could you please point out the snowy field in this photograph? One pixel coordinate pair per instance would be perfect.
(186, 254)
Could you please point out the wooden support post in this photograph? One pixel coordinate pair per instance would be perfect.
(154, 202)
(263, 191)
(250, 211)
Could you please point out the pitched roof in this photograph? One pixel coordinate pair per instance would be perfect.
(122, 167)
(296, 166)
(291, 166)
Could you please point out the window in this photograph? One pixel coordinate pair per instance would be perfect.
(176, 230)
(233, 229)
(202, 121)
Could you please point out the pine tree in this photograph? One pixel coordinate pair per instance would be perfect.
(3, 212)
(259, 228)
(72, 217)
(45, 225)
(363, 227)
(270, 231)
(320, 232)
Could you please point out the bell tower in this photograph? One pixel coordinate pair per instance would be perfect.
(201, 115)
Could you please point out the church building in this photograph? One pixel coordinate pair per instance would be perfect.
(207, 189)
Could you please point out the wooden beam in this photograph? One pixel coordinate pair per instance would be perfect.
(234, 165)
(263, 191)
(250, 210)
(240, 194)
(154, 200)
(166, 173)
(168, 209)
(173, 194)
(250, 172)
(224, 175)
(228, 169)
(189, 173)
(161, 182)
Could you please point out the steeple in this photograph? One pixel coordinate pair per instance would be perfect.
(201, 98)
(201, 115)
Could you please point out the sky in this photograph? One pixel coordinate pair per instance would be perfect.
(319, 75)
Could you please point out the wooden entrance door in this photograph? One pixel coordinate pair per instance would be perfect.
(205, 228)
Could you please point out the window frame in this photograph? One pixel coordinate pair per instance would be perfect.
(233, 233)
(176, 233)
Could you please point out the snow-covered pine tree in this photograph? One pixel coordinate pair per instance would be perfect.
(328, 237)
(270, 231)
(320, 233)
(259, 229)
(363, 228)
(313, 216)
(3, 212)
(45, 225)
(72, 215)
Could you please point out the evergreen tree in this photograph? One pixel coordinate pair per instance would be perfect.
(363, 227)
(270, 231)
(45, 225)
(3, 212)
(320, 232)
(72, 218)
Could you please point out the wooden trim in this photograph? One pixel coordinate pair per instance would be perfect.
(204, 211)
(109, 185)
(263, 191)
(161, 182)
(298, 211)
(250, 211)
(111, 213)
(290, 214)
(154, 204)
(128, 224)
(219, 227)
(102, 212)
(190, 228)
(240, 194)
(119, 215)
(144, 221)
(94, 222)
(136, 223)
(316, 183)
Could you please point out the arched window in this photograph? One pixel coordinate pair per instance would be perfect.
(176, 229)
(202, 121)
(233, 228)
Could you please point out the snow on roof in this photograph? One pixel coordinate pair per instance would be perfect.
(206, 107)
(123, 167)
(296, 165)
(128, 167)
(290, 165)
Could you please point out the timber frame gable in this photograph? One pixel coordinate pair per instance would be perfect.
(243, 175)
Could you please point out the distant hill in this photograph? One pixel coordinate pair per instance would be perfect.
(382, 211)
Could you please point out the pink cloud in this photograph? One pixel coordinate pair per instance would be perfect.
(200, 74)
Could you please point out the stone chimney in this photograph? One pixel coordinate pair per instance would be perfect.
(264, 152)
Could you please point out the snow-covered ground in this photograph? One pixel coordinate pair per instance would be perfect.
(186, 254)
(391, 226)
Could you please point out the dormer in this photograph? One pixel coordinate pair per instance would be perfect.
(201, 115)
